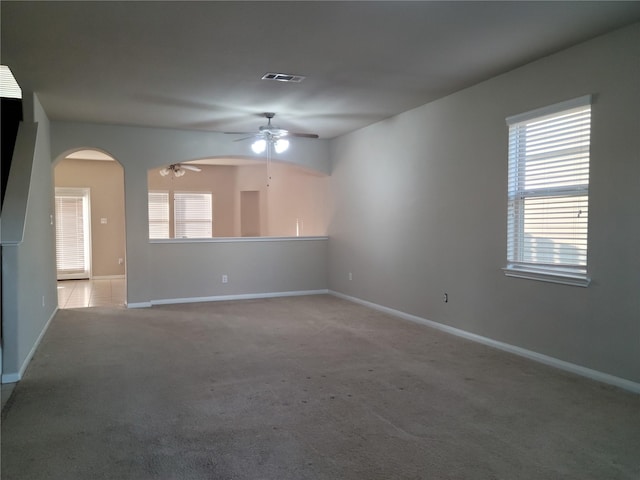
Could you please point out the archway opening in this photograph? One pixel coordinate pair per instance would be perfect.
(90, 230)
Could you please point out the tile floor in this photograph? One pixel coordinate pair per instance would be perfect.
(110, 292)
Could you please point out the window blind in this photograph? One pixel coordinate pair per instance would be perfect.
(72, 233)
(158, 214)
(9, 87)
(548, 190)
(193, 215)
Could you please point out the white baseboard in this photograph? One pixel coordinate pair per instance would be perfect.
(220, 298)
(138, 305)
(14, 377)
(11, 377)
(241, 296)
(108, 277)
(522, 352)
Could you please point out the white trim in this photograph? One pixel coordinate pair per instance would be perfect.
(522, 352)
(138, 305)
(11, 243)
(107, 277)
(550, 109)
(10, 378)
(234, 239)
(14, 377)
(221, 298)
(523, 272)
(241, 296)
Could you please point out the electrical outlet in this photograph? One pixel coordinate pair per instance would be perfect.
(225, 279)
(120, 261)
(350, 276)
(43, 301)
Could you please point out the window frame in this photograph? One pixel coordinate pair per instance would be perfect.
(176, 215)
(572, 273)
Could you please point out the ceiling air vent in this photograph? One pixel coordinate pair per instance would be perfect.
(283, 77)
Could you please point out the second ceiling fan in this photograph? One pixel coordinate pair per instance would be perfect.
(178, 169)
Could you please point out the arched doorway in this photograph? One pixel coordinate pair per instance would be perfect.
(90, 230)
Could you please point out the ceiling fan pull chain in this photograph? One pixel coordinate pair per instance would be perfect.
(269, 147)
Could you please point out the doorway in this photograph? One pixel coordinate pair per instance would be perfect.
(90, 230)
(250, 213)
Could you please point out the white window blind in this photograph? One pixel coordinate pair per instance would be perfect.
(548, 193)
(193, 215)
(158, 214)
(9, 87)
(72, 233)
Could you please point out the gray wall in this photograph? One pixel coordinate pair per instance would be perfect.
(28, 269)
(419, 209)
(178, 270)
(194, 270)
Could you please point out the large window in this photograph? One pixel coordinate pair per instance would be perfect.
(548, 193)
(193, 215)
(158, 214)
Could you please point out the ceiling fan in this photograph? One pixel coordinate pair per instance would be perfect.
(271, 135)
(178, 169)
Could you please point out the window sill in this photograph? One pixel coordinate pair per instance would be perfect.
(541, 276)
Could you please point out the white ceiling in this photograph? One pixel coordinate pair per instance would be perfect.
(197, 65)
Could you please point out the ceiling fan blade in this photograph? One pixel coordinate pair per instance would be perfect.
(247, 138)
(270, 131)
(193, 168)
(304, 135)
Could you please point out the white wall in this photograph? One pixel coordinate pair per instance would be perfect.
(420, 209)
(297, 202)
(28, 254)
(253, 178)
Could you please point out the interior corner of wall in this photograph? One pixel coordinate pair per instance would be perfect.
(39, 114)
(32, 109)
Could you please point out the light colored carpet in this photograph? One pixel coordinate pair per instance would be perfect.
(301, 388)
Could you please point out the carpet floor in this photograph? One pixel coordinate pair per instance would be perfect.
(301, 388)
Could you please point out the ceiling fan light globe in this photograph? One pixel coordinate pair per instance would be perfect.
(259, 146)
(179, 173)
(281, 145)
(164, 172)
